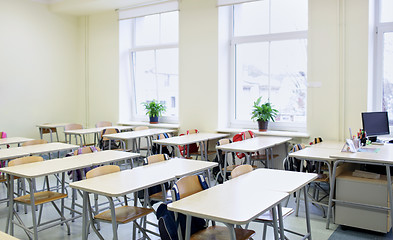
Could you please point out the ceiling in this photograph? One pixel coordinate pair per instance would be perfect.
(88, 7)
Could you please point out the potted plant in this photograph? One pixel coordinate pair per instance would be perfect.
(154, 110)
(262, 113)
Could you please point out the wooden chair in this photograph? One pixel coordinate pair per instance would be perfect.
(158, 196)
(103, 124)
(34, 142)
(189, 185)
(267, 217)
(74, 126)
(41, 197)
(50, 131)
(124, 214)
(115, 144)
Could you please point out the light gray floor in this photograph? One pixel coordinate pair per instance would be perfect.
(125, 231)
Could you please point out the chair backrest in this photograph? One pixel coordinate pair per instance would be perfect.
(84, 150)
(316, 140)
(191, 131)
(99, 171)
(3, 135)
(240, 170)
(24, 160)
(73, 126)
(163, 136)
(34, 142)
(247, 134)
(156, 158)
(138, 128)
(103, 124)
(48, 130)
(108, 131)
(189, 185)
(223, 141)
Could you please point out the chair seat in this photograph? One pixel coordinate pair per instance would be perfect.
(3, 178)
(230, 168)
(322, 178)
(268, 217)
(41, 197)
(124, 214)
(218, 233)
(159, 196)
(260, 157)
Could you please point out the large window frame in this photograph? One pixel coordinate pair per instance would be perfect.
(262, 38)
(381, 28)
(133, 50)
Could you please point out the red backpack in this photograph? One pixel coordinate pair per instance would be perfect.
(192, 147)
(240, 137)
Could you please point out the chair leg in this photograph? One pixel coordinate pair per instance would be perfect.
(264, 231)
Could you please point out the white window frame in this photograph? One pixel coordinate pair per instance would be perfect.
(134, 49)
(233, 123)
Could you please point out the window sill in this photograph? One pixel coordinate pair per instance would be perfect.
(157, 125)
(267, 133)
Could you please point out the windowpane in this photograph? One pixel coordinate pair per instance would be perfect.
(252, 77)
(251, 18)
(288, 81)
(387, 104)
(386, 10)
(289, 15)
(147, 30)
(156, 78)
(169, 27)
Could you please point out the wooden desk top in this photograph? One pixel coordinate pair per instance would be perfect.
(254, 144)
(276, 180)
(191, 138)
(13, 140)
(52, 125)
(329, 144)
(139, 178)
(138, 134)
(384, 154)
(235, 202)
(96, 130)
(315, 153)
(5, 236)
(12, 153)
(38, 169)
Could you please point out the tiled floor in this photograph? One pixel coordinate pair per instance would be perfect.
(319, 232)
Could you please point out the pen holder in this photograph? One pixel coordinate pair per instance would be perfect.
(363, 141)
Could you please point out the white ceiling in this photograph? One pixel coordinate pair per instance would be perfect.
(88, 7)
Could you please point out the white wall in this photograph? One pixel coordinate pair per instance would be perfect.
(38, 67)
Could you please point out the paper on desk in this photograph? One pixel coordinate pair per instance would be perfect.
(374, 150)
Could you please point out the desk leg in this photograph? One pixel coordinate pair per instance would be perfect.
(307, 212)
(390, 191)
(331, 194)
(274, 213)
(51, 134)
(225, 167)
(280, 221)
(231, 229)
(10, 181)
(188, 227)
(113, 215)
(298, 192)
(109, 147)
(32, 204)
(85, 220)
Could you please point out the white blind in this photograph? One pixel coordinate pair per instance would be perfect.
(150, 9)
(221, 3)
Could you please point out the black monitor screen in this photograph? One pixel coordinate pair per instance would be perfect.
(375, 123)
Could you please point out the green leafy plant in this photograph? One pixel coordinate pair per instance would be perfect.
(263, 111)
(154, 108)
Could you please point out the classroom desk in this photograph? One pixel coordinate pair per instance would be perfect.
(14, 140)
(185, 140)
(12, 153)
(282, 181)
(229, 203)
(256, 144)
(49, 127)
(125, 136)
(384, 157)
(39, 169)
(133, 180)
(82, 132)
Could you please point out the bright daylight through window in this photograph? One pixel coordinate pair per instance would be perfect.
(269, 49)
(154, 62)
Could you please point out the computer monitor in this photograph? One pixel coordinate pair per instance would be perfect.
(375, 124)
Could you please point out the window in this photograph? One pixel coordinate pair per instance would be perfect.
(268, 49)
(383, 95)
(153, 63)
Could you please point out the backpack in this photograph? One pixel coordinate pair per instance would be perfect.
(104, 144)
(169, 150)
(193, 147)
(80, 173)
(240, 137)
(220, 159)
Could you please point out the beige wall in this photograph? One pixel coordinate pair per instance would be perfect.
(39, 67)
(76, 59)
